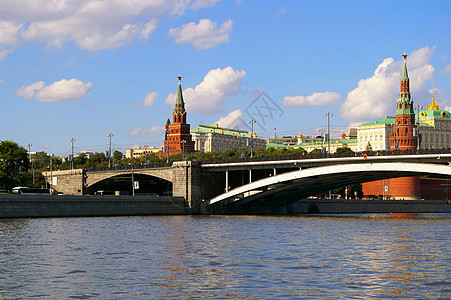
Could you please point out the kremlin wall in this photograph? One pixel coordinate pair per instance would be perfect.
(427, 129)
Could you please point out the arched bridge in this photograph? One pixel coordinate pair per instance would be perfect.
(295, 185)
(246, 182)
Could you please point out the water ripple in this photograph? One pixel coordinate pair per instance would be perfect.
(224, 257)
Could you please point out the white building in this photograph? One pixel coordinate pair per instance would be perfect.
(375, 135)
(141, 151)
(208, 138)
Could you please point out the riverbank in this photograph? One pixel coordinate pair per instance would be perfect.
(28, 206)
(340, 206)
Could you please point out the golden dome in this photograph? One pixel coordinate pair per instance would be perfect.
(433, 106)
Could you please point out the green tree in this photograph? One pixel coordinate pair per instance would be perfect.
(344, 149)
(117, 157)
(14, 163)
(316, 151)
(80, 160)
(97, 160)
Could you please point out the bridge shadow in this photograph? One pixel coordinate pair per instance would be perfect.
(123, 185)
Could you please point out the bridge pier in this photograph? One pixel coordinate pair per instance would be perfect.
(187, 183)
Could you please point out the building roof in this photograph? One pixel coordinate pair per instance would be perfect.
(332, 143)
(384, 121)
(435, 114)
(274, 145)
(214, 129)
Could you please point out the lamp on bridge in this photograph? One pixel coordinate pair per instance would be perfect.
(183, 149)
(252, 121)
(417, 108)
(328, 115)
(110, 135)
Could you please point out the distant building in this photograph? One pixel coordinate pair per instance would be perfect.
(208, 138)
(141, 151)
(375, 135)
(88, 154)
(312, 142)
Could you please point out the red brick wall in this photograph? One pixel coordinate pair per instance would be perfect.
(434, 188)
(399, 188)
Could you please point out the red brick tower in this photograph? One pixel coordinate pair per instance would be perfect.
(402, 138)
(178, 138)
(404, 130)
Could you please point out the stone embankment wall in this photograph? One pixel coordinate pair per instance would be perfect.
(25, 206)
(326, 206)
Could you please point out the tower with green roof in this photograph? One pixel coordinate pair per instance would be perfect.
(404, 131)
(178, 138)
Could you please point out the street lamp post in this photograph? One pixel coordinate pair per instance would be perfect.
(183, 149)
(72, 140)
(328, 115)
(417, 108)
(252, 121)
(110, 135)
(31, 160)
(145, 153)
(322, 132)
(51, 175)
(133, 179)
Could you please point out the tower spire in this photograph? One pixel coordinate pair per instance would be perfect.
(179, 114)
(404, 68)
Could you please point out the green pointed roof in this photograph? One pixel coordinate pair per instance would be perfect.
(168, 122)
(404, 68)
(179, 103)
(404, 102)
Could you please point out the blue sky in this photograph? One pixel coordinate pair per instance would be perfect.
(86, 68)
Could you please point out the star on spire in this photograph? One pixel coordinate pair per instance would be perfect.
(180, 78)
(404, 56)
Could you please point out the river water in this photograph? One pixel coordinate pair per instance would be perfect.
(226, 257)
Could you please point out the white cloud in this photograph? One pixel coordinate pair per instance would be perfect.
(148, 100)
(155, 130)
(375, 97)
(90, 24)
(29, 91)
(209, 95)
(233, 120)
(3, 53)
(197, 4)
(446, 70)
(315, 99)
(204, 35)
(59, 91)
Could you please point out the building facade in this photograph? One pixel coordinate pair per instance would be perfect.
(178, 139)
(208, 138)
(375, 135)
(141, 151)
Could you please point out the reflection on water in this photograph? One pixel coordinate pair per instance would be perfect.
(239, 257)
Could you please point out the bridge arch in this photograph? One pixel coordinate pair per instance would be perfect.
(123, 184)
(155, 180)
(296, 185)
